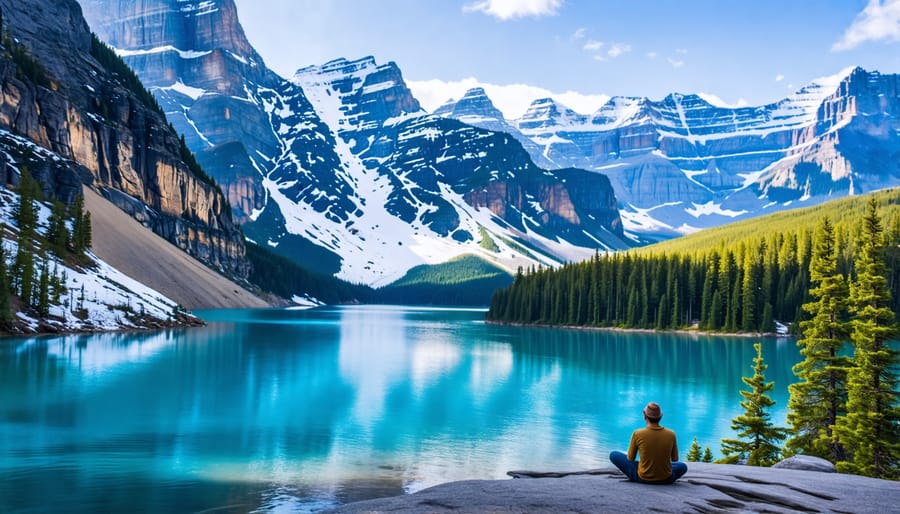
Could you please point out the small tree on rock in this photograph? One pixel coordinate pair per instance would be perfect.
(693, 454)
(757, 436)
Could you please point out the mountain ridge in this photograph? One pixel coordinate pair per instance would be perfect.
(326, 183)
(719, 163)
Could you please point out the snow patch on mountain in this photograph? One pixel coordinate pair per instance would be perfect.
(184, 54)
(711, 208)
(193, 93)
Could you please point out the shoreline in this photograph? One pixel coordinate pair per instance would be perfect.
(186, 321)
(682, 331)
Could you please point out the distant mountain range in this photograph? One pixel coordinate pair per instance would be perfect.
(683, 163)
(340, 169)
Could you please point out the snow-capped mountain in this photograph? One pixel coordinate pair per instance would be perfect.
(475, 108)
(339, 168)
(684, 163)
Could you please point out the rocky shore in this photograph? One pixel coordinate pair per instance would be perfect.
(705, 488)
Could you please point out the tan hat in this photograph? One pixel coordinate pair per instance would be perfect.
(652, 411)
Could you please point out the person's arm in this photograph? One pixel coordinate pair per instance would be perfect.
(674, 450)
(632, 446)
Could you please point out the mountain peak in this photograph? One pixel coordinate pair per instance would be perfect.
(475, 106)
(341, 66)
(475, 92)
(545, 112)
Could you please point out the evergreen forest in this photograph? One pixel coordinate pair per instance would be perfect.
(29, 272)
(744, 277)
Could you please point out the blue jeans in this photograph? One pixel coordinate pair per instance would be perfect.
(630, 468)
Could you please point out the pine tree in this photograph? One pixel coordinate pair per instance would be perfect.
(870, 431)
(57, 232)
(25, 214)
(707, 455)
(57, 285)
(757, 436)
(693, 455)
(88, 230)
(819, 397)
(81, 230)
(6, 315)
(749, 293)
(43, 292)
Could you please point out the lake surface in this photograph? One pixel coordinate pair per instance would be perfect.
(292, 411)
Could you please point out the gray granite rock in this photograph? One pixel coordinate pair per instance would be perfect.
(806, 463)
(705, 488)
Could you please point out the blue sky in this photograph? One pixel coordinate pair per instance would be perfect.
(744, 52)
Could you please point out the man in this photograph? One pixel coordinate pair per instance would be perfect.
(658, 450)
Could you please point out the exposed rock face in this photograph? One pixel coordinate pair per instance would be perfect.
(172, 43)
(705, 488)
(106, 135)
(567, 203)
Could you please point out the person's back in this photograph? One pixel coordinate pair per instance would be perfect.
(655, 445)
(658, 450)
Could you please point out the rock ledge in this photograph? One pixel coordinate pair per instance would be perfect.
(705, 488)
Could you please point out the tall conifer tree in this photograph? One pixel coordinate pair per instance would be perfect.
(820, 396)
(757, 435)
(6, 315)
(870, 431)
(25, 214)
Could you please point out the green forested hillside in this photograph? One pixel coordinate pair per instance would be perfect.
(465, 280)
(283, 277)
(741, 277)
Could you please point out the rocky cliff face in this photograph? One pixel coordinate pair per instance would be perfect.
(173, 43)
(105, 134)
(323, 167)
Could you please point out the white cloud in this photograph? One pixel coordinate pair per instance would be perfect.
(618, 49)
(676, 63)
(512, 99)
(511, 9)
(652, 55)
(580, 33)
(615, 49)
(878, 21)
(682, 51)
(779, 77)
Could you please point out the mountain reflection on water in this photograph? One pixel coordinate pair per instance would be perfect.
(299, 410)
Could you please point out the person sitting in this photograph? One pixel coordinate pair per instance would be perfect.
(658, 451)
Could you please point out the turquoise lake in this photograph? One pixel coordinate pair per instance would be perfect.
(293, 411)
